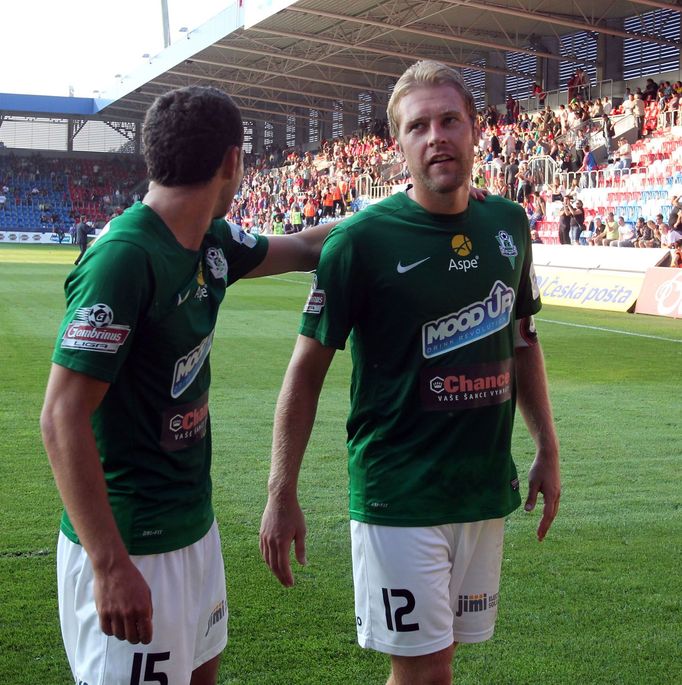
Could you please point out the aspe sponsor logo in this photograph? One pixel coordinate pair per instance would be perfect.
(188, 366)
(471, 323)
(462, 246)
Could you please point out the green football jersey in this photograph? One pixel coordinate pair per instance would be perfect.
(141, 312)
(429, 302)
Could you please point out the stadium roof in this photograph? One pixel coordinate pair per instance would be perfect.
(314, 53)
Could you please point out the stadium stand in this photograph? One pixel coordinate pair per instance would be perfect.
(47, 194)
(582, 100)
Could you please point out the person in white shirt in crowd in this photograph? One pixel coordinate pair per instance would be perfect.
(626, 234)
(607, 105)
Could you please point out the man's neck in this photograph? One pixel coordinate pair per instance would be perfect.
(187, 211)
(440, 203)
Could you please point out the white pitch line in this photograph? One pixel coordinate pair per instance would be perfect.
(289, 280)
(610, 330)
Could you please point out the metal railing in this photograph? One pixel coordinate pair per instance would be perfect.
(559, 96)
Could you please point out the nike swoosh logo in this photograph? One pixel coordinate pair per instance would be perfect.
(181, 299)
(403, 269)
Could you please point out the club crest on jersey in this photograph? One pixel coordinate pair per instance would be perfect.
(316, 299)
(507, 247)
(93, 330)
(217, 264)
(471, 323)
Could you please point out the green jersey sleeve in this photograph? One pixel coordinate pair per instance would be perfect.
(333, 303)
(528, 295)
(106, 297)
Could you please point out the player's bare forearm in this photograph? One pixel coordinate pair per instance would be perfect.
(70, 444)
(534, 404)
(533, 397)
(70, 400)
(283, 520)
(295, 252)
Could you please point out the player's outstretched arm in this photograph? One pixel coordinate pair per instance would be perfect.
(301, 251)
(283, 520)
(122, 596)
(534, 404)
(295, 252)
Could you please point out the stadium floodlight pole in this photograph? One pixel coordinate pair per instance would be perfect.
(166, 23)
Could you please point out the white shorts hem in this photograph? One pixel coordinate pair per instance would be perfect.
(209, 654)
(471, 638)
(405, 650)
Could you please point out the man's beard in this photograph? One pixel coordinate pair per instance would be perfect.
(443, 185)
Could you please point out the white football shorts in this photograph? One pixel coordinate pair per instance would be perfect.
(418, 590)
(189, 621)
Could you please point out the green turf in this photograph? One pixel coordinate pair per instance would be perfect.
(596, 602)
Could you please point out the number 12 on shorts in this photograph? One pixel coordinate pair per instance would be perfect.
(151, 675)
(394, 615)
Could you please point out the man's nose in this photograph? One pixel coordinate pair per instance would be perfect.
(436, 134)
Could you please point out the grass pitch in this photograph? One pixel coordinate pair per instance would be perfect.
(597, 602)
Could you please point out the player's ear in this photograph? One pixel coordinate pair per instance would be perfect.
(232, 161)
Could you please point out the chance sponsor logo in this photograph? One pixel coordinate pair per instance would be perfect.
(93, 330)
(474, 322)
(184, 425)
(479, 385)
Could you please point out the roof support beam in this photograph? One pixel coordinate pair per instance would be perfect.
(283, 74)
(329, 41)
(251, 84)
(560, 20)
(427, 34)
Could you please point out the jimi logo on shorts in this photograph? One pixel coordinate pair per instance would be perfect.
(216, 615)
(470, 604)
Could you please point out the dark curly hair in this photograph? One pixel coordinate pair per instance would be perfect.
(186, 133)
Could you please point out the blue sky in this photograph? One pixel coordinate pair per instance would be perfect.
(48, 46)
